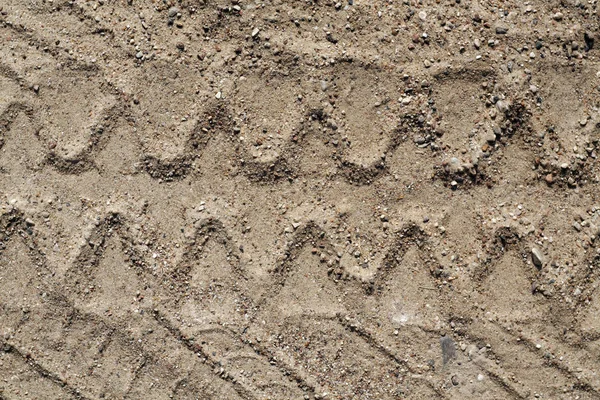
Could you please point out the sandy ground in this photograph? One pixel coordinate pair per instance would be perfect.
(238, 199)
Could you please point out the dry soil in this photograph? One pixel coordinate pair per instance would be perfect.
(302, 199)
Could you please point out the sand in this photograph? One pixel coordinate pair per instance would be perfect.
(299, 199)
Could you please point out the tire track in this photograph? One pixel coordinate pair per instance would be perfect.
(41, 371)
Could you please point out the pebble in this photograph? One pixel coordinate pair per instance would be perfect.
(427, 63)
(454, 165)
(173, 11)
(549, 179)
(419, 139)
(471, 351)
(501, 30)
(558, 16)
(448, 349)
(537, 257)
(255, 32)
(502, 106)
(490, 137)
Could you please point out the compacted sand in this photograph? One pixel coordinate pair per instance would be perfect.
(303, 199)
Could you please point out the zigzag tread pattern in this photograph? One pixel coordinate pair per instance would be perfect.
(198, 343)
(282, 167)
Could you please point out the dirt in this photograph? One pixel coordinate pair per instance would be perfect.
(237, 199)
